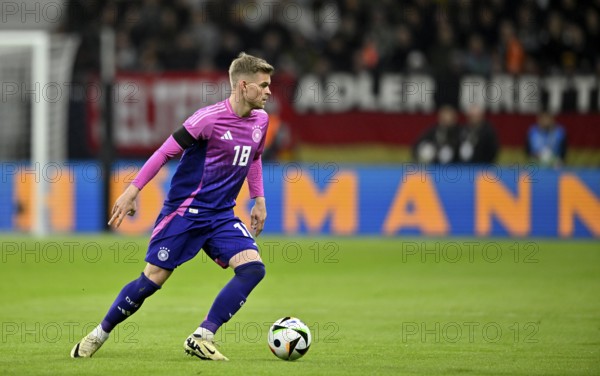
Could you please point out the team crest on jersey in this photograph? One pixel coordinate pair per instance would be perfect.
(256, 133)
(163, 253)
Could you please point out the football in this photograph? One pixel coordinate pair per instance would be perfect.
(289, 338)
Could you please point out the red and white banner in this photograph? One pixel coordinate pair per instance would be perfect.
(342, 108)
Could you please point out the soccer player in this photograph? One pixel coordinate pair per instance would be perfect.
(222, 146)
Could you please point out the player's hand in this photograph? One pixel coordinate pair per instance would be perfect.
(125, 205)
(258, 214)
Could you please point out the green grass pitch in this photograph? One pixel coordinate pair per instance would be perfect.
(376, 306)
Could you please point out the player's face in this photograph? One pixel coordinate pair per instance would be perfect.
(256, 90)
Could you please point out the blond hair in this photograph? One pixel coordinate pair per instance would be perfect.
(247, 64)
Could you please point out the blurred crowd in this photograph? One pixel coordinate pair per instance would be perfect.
(475, 141)
(443, 38)
(450, 142)
(438, 37)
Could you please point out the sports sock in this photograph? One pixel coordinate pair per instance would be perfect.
(99, 333)
(204, 333)
(128, 301)
(233, 296)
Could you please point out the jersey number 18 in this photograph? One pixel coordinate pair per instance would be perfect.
(243, 156)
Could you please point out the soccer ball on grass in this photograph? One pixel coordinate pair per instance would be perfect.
(289, 338)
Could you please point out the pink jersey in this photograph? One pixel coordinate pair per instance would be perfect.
(211, 172)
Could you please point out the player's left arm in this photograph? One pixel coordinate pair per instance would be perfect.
(258, 214)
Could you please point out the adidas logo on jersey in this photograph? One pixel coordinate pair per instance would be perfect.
(227, 136)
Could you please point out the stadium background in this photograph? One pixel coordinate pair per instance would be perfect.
(357, 83)
(398, 268)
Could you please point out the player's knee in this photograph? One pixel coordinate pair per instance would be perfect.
(157, 274)
(261, 270)
(255, 270)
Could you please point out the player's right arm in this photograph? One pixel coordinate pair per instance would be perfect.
(125, 204)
